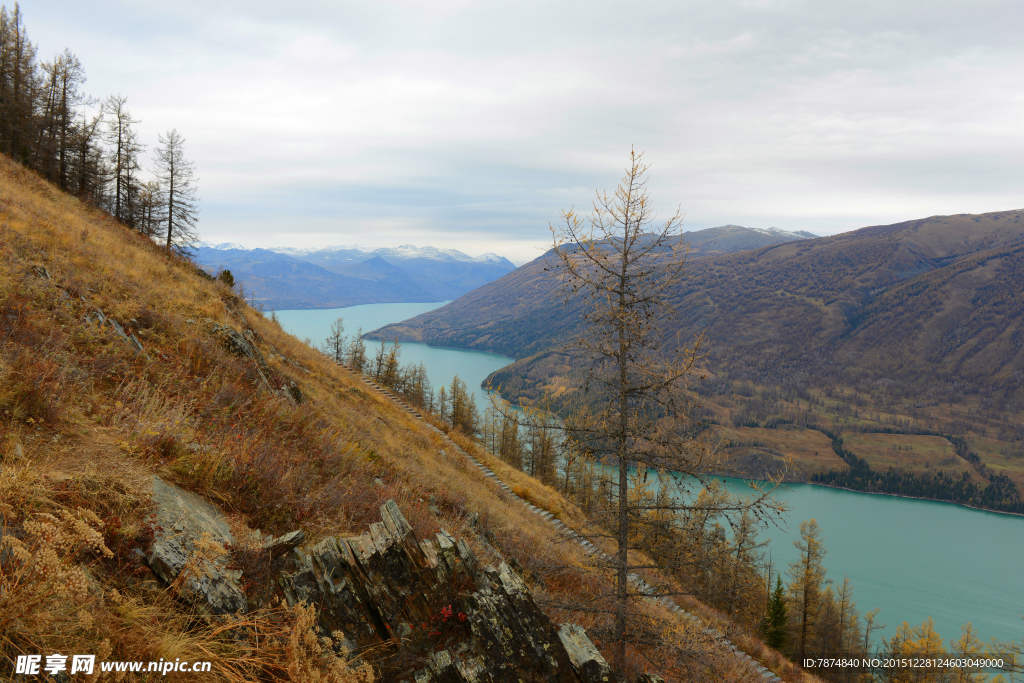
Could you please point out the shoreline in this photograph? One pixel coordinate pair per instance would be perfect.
(878, 493)
(900, 495)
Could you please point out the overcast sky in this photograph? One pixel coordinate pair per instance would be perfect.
(472, 124)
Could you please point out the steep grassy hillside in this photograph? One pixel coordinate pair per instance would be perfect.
(282, 441)
(913, 327)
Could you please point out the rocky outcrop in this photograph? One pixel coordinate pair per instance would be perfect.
(275, 547)
(127, 337)
(585, 658)
(189, 537)
(449, 618)
(245, 344)
(467, 623)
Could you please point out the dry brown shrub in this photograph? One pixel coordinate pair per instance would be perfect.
(44, 588)
(30, 387)
(312, 658)
(159, 425)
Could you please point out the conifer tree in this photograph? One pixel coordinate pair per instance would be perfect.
(148, 205)
(463, 408)
(776, 623)
(357, 352)
(919, 641)
(122, 140)
(379, 359)
(510, 448)
(807, 585)
(178, 185)
(392, 365)
(334, 345)
(620, 268)
(442, 404)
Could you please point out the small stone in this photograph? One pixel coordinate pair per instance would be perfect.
(282, 544)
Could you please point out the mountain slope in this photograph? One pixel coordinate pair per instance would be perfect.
(726, 239)
(506, 315)
(784, 299)
(118, 363)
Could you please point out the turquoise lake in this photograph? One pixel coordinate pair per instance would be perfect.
(911, 558)
(442, 364)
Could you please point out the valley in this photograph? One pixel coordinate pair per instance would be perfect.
(900, 337)
(884, 544)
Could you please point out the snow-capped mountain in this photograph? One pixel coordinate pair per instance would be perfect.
(786, 235)
(223, 246)
(342, 275)
(779, 232)
(404, 251)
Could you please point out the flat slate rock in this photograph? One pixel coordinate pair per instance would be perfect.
(186, 528)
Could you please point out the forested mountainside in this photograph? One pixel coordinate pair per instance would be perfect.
(339, 277)
(169, 456)
(912, 327)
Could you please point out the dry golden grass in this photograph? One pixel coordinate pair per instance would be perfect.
(1004, 458)
(84, 423)
(910, 452)
(810, 450)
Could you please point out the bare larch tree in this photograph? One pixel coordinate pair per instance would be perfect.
(178, 185)
(639, 412)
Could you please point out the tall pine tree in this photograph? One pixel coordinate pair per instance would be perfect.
(776, 621)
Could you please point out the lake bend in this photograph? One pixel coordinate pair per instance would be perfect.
(912, 558)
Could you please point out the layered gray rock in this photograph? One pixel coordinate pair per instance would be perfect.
(455, 620)
(128, 338)
(469, 623)
(276, 547)
(588, 662)
(186, 532)
(242, 344)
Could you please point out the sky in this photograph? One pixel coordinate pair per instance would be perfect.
(472, 125)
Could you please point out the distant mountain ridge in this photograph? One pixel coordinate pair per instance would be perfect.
(404, 251)
(937, 301)
(502, 316)
(335, 277)
(726, 239)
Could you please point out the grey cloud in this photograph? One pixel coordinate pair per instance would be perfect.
(458, 121)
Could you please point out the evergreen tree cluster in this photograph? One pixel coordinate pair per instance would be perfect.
(811, 618)
(453, 405)
(88, 148)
